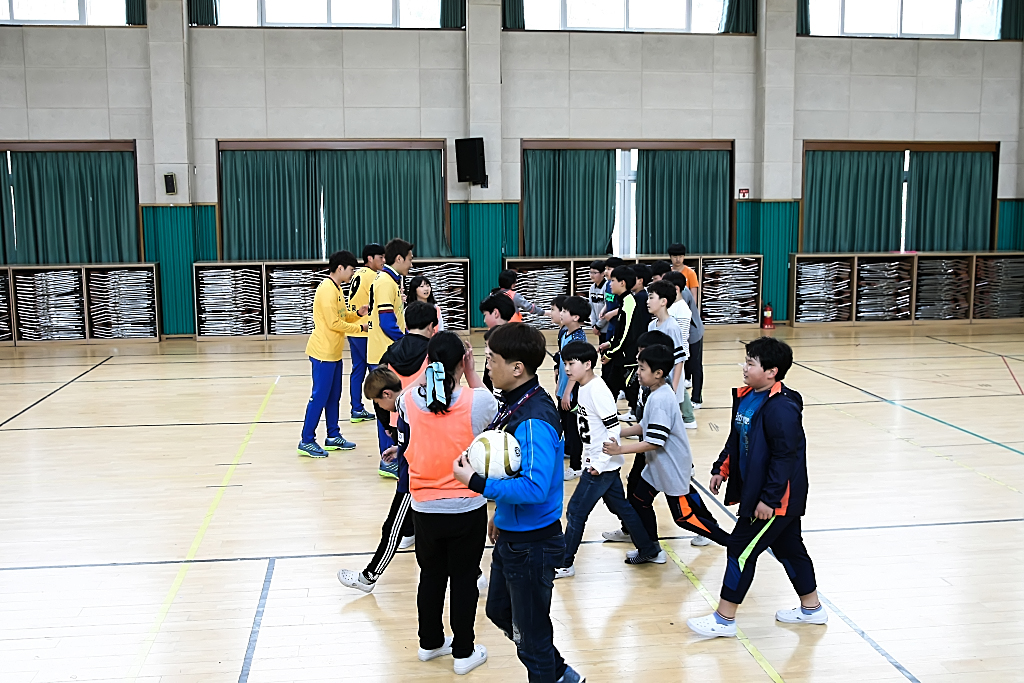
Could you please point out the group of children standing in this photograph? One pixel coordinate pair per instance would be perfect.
(649, 350)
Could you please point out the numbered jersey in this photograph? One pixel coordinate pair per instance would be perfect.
(598, 420)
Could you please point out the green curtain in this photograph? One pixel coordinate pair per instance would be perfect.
(852, 201)
(1011, 225)
(512, 14)
(75, 207)
(803, 17)
(135, 12)
(202, 12)
(683, 196)
(6, 216)
(772, 230)
(453, 13)
(1012, 24)
(176, 237)
(568, 201)
(740, 16)
(481, 226)
(375, 195)
(949, 201)
(270, 205)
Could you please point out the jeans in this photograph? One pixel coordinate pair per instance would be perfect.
(448, 549)
(606, 486)
(357, 347)
(325, 399)
(519, 602)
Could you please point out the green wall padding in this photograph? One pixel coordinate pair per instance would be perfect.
(1011, 225)
(483, 231)
(771, 229)
(176, 237)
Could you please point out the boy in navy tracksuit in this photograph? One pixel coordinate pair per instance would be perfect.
(765, 464)
(526, 528)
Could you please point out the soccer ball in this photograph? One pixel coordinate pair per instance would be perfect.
(495, 455)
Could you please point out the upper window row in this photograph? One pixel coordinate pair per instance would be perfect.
(695, 16)
(967, 19)
(94, 12)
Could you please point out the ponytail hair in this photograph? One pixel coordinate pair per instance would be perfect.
(444, 353)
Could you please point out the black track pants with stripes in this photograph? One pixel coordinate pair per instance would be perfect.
(750, 538)
(688, 512)
(398, 524)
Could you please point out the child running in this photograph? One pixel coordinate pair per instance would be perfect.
(598, 423)
(765, 463)
(667, 450)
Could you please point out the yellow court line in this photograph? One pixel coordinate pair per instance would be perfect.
(147, 645)
(742, 637)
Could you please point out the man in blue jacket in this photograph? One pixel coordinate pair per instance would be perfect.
(765, 463)
(526, 528)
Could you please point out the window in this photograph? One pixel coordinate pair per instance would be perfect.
(624, 232)
(681, 16)
(966, 19)
(370, 13)
(91, 12)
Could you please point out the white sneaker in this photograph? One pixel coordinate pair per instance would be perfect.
(690, 425)
(406, 542)
(565, 572)
(621, 396)
(571, 474)
(700, 541)
(688, 383)
(481, 583)
(708, 627)
(617, 536)
(466, 664)
(660, 558)
(628, 417)
(355, 580)
(797, 616)
(696, 406)
(427, 655)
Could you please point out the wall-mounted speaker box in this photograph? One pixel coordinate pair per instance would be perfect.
(170, 184)
(469, 157)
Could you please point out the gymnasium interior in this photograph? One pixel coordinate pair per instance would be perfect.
(847, 176)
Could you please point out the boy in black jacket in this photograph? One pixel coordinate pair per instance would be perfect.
(619, 354)
(765, 463)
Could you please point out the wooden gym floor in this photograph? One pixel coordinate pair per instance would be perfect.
(120, 464)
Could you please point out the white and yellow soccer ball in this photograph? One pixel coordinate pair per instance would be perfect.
(495, 454)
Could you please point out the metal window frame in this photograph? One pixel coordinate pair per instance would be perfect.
(625, 179)
(899, 25)
(396, 7)
(83, 19)
(564, 24)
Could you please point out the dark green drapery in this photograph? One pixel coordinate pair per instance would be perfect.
(176, 237)
(6, 216)
(269, 205)
(568, 201)
(1011, 225)
(73, 207)
(453, 13)
(135, 12)
(803, 17)
(771, 229)
(375, 195)
(202, 12)
(1011, 26)
(272, 201)
(740, 16)
(512, 14)
(852, 201)
(682, 196)
(479, 228)
(949, 201)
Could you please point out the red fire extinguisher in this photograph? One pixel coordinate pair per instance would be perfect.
(766, 318)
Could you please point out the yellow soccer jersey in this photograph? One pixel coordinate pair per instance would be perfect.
(385, 303)
(332, 320)
(360, 286)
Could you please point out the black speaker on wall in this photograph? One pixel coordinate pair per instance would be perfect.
(469, 157)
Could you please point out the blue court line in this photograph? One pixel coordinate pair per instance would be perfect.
(33, 405)
(839, 613)
(256, 621)
(916, 412)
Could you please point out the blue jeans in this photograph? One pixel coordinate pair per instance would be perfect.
(519, 602)
(357, 347)
(325, 399)
(606, 486)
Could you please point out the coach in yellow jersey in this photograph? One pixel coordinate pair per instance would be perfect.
(332, 320)
(362, 281)
(387, 322)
